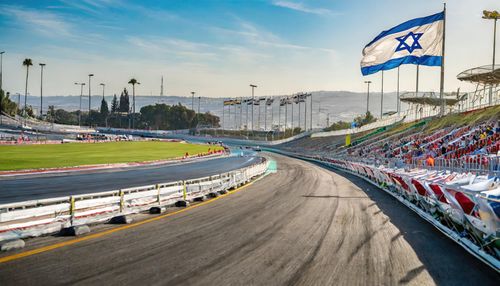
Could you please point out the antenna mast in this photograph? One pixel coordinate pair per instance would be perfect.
(161, 91)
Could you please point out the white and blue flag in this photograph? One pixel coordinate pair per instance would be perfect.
(418, 41)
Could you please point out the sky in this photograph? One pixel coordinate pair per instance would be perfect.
(218, 48)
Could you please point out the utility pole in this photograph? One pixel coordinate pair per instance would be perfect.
(41, 89)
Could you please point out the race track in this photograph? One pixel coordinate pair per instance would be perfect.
(50, 186)
(304, 225)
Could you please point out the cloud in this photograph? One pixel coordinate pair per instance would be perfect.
(44, 22)
(297, 6)
(92, 6)
(256, 37)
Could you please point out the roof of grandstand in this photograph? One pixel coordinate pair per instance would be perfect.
(484, 74)
(430, 98)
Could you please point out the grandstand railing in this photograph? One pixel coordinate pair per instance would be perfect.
(477, 164)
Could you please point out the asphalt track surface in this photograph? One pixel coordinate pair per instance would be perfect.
(50, 186)
(304, 225)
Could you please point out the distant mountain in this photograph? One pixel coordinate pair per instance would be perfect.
(339, 105)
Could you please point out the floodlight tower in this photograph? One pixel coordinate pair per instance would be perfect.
(492, 15)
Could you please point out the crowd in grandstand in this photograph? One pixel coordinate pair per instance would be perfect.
(447, 143)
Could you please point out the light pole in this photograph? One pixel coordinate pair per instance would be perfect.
(103, 85)
(492, 15)
(253, 101)
(199, 99)
(368, 96)
(41, 89)
(1, 69)
(90, 95)
(192, 100)
(80, 109)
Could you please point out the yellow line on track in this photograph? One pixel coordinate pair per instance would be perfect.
(110, 231)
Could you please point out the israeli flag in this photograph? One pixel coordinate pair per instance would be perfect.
(418, 41)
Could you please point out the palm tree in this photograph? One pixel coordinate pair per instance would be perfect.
(133, 82)
(27, 63)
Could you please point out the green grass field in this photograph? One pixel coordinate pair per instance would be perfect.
(18, 157)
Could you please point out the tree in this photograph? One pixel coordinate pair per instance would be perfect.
(133, 82)
(363, 120)
(124, 102)
(114, 104)
(6, 105)
(339, 125)
(104, 108)
(27, 63)
(52, 112)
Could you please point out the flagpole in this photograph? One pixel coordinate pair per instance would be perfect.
(416, 87)
(382, 97)
(298, 125)
(311, 113)
(241, 113)
(398, 104)
(292, 113)
(279, 118)
(265, 117)
(305, 111)
(286, 113)
(441, 88)
(272, 116)
(223, 117)
(246, 118)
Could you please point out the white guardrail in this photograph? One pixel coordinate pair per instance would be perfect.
(38, 217)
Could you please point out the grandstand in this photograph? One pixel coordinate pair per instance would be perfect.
(452, 137)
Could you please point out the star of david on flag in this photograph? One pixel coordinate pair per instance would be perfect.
(403, 45)
(418, 41)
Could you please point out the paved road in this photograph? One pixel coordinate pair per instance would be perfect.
(304, 225)
(49, 186)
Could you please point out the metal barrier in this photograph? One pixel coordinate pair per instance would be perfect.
(476, 164)
(37, 217)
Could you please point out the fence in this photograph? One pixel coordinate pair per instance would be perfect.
(34, 218)
(477, 164)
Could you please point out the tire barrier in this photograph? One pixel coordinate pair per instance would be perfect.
(38, 217)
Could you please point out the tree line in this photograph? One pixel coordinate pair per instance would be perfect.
(120, 115)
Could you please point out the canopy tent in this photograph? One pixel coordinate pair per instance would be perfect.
(430, 98)
(486, 75)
